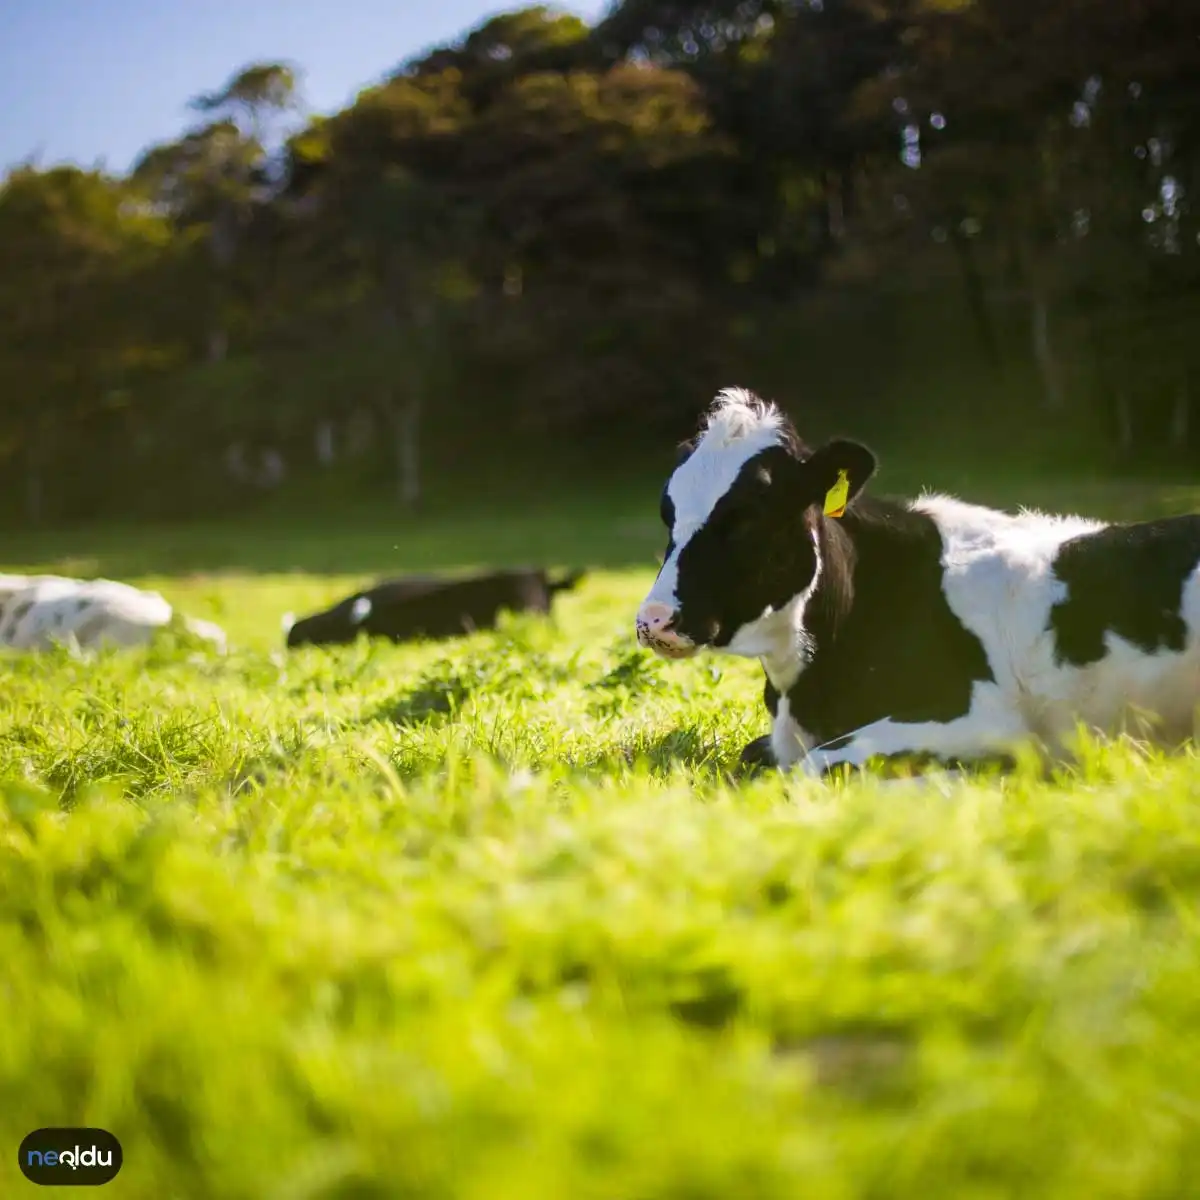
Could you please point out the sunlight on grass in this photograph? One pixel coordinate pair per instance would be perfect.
(491, 919)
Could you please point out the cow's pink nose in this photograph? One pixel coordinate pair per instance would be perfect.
(656, 616)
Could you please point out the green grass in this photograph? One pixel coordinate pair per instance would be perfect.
(488, 919)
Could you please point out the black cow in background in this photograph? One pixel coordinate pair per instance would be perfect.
(427, 606)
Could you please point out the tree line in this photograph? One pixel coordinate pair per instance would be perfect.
(949, 217)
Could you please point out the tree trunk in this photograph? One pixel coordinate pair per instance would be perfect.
(222, 246)
(976, 298)
(1043, 352)
(403, 294)
(835, 206)
(326, 451)
(359, 432)
(35, 492)
(405, 420)
(1180, 413)
(1124, 422)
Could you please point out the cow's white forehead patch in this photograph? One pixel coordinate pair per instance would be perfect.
(739, 427)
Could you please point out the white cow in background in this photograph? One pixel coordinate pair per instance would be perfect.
(37, 611)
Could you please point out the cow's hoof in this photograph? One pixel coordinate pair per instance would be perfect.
(757, 756)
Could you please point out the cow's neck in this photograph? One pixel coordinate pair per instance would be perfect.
(781, 642)
(858, 545)
(851, 550)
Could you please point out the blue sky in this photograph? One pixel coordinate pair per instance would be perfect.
(94, 81)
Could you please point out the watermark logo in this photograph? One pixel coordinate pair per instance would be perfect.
(70, 1157)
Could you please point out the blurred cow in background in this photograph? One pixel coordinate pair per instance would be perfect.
(426, 606)
(37, 611)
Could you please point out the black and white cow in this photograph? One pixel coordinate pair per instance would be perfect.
(929, 628)
(425, 606)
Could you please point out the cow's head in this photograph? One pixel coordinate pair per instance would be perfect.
(742, 510)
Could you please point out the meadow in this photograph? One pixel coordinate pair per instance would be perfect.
(494, 919)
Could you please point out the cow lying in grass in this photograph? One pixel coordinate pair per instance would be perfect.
(929, 628)
(424, 606)
(38, 610)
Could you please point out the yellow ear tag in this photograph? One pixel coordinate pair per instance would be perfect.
(837, 496)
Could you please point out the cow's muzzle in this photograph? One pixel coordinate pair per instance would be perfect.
(655, 632)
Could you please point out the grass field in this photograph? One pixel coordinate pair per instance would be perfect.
(487, 919)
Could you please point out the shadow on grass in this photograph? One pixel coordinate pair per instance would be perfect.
(430, 700)
(865, 1064)
(448, 684)
(662, 753)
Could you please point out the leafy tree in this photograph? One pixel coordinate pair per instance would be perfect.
(1035, 144)
(218, 174)
(255, 100)
(74, 247)
(558, 228)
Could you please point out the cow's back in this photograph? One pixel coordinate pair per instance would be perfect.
(1128, 582)
(1126, 627)
(1086, 622)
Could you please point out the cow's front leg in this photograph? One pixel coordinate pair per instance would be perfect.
(977, 737)
(788, 741)
(757, 755)
(785, 745)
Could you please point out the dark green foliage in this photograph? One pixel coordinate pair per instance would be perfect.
(892, 215)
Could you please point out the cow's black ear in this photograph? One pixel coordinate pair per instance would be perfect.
(684, 452)
(836, 473)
